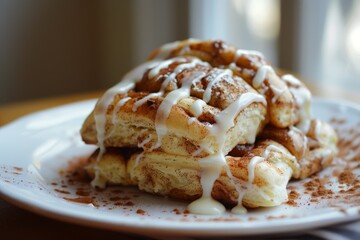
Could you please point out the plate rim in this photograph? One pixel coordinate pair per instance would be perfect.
(305, 223)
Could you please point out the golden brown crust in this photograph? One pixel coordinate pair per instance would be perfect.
(136, 122)
(281, 106)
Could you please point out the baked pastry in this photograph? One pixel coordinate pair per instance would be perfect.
(177, 106)
(203, 121)
(256, 181)
(249, 65)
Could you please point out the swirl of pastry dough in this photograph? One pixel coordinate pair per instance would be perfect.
(249, 65)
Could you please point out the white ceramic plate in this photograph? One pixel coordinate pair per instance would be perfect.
(37, 150)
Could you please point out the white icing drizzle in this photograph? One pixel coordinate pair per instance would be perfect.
(260, 75)
(116, 110)
(184, 66)
(165, 64)
(114, 119)
(210, 170)
(143, 100)
(141, 145)
(291, 80)
(318, 127)
(251, 137)
(206, 206)
(139, 157)
(239, 208)
(241, 52)
(197, 152)
(126, 84)
(303, 100)
(144, 142)
(326, 136)
(170, 100)
(250, 54)
(233, 66)
(259, 79)
(191, 120)
(305, 145)
(263, 90)
(98, 181)
(253, 56)
(211, 165)
(272, 148)
(167, 48)
(225, 119)
(197, 107)
(277, 92)
(219, 75)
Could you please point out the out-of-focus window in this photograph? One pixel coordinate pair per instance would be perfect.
(319, 40)
(247, 24)
(340, 45)
(51, 48)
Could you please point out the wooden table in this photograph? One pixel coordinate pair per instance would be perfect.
(16, 223)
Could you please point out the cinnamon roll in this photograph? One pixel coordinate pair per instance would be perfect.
(205, 122)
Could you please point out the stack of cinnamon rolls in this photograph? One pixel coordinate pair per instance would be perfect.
(208, 123)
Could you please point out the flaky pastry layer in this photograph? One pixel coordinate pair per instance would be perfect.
(178, 176)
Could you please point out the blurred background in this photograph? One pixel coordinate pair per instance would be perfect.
(52, 48)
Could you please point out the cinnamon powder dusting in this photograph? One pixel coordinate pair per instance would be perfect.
(82, 193)
(317, 190)
(345, 169)
(140, 211)
(74, 186)
(347, 177)
(293, 196)
(84, 200)
(62, 191)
